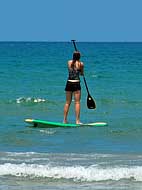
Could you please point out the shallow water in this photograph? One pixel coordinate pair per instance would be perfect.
(33, 77)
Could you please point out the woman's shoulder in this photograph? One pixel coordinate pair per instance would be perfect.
(81, 64)
(69, 63)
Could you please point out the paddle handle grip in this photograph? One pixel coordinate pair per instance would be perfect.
(73, 41)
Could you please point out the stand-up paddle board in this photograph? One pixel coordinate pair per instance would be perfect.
(49, 124)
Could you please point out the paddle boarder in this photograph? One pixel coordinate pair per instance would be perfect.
(73, 88)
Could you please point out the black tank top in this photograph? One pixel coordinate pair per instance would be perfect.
(74, 73)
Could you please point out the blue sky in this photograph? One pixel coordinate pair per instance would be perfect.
(63, 20)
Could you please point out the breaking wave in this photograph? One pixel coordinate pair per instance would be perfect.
(75, 173)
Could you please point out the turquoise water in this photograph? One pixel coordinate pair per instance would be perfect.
(32, 81)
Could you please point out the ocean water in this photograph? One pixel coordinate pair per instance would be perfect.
(32, 81)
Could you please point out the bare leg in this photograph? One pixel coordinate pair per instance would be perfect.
(67, 105)
(77, 97)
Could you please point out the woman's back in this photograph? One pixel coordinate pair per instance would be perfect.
(75, 69)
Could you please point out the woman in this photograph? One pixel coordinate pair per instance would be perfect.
(75, 68)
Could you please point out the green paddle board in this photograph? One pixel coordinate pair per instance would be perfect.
(49, 124)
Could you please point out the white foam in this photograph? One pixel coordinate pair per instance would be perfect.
(48, 132)
(29, 100)
(76, 173)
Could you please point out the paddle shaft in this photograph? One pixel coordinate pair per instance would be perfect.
(86, 85)
(83, 75)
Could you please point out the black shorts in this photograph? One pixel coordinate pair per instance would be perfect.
(72, 86)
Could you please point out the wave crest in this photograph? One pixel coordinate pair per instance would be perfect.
(75, 173)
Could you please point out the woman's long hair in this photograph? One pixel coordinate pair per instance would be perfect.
(76, 57)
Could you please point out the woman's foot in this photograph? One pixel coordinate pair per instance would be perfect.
(78, 122)
(65, 121)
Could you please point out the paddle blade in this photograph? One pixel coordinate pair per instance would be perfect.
(90, 102)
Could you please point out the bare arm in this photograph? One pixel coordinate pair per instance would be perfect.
(82, 68)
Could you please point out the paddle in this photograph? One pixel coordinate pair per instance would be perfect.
(90, 102)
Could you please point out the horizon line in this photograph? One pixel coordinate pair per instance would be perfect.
(45, 41)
